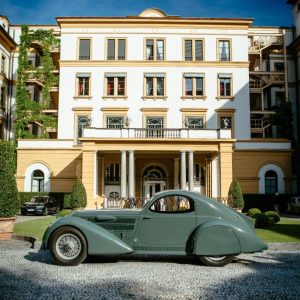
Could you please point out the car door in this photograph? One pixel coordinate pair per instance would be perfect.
(167, 223)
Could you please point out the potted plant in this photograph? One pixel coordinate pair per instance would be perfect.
(236, 195)
(9, 198)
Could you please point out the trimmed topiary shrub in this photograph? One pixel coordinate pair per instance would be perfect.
(67, 201)
(9, 197)
(274, 215)
(64, 212)
(271, 221)
(261, 220)
(235, 192)
(253, 211)
(78, 195)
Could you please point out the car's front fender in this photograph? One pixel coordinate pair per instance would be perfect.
(99, 240)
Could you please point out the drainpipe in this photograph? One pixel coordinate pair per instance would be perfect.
(9, 104)
(285, 69)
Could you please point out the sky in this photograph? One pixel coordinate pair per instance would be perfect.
(264, 12)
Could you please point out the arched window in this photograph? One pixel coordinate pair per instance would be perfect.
(271, 182)
(37, 181)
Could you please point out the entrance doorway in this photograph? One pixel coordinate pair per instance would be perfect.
(154, 181)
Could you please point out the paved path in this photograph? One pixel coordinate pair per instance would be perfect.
(28, 274)
(28, 218)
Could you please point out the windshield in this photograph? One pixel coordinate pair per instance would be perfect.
(39, 200)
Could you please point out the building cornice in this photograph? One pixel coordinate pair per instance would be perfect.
(144, 63)
(152, 21)
(5, 40)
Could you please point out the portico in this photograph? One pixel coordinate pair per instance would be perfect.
(139, 169)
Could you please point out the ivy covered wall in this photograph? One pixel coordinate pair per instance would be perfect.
(27, 110)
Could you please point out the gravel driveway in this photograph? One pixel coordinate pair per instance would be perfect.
(29, 274)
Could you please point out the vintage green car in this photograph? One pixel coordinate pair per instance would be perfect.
(173, 222)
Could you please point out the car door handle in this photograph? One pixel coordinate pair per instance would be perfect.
(147, 218)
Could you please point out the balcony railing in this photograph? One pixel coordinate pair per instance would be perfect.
(161, 133)
(262, 42)
(260, 123)
(260, 80)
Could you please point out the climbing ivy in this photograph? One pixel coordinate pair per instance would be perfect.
(28, 111)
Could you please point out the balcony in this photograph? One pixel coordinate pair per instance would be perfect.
(265, 42)
(261, 80)
(159, 133)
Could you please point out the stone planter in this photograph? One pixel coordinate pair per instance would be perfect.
(7, 228)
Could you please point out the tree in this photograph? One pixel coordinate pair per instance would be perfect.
(235, 192)
(78, 195)
(9, 197)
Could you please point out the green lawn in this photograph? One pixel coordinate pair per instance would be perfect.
(34, 228)
(286, 230)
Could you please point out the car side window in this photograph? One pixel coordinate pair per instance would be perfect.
(173, 204)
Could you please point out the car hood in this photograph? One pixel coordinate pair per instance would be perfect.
(33, 204)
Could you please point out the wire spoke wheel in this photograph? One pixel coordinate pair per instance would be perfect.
(216, 261)
(68, 246)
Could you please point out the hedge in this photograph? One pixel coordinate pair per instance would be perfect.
(266, 202)
(63, 198)
(9, 197)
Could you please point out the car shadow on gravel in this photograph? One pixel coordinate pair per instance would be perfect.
(40, 256)
(143, 258)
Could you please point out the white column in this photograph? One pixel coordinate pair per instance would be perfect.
(131, 192)
(183, 171)
(191, 171)
(214, 178)
(96, 174)
(123, 174)
(176, 173)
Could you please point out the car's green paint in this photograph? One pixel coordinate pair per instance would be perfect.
(210, 228)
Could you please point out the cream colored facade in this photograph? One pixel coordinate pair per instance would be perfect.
(168, 106)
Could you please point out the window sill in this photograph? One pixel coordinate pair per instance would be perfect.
(114, 97)
(225, 98)
(82, 97)
(154, 98)
(193, 97)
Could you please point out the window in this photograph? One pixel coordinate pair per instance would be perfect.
(193, 50)
(112, 173)
(279, 98)
(3, 64)
(116, 49)
(271, 182)
(155, 49)
(225, 86)
(115, 84)
(193, 85)
(84, 49)
(224, 50)
(114, 122)
(155, 84)
(194, 122)
(173, 204)
(155, 122)
(83, 84)
(37, 181)
(279, 67)
(225, 122)
(2, 99)
(82, 122)
(155, 127)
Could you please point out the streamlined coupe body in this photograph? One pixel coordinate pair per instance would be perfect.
(173, 222)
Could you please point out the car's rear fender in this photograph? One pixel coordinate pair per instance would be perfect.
(99, 240)
(215, 238)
